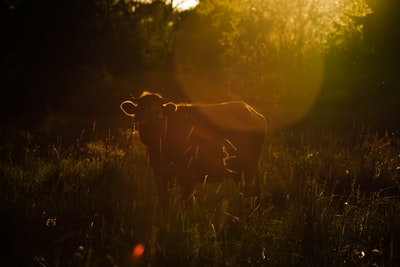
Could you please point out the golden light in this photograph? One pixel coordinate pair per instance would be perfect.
(184, 4)
(269, 53)
(180, 5)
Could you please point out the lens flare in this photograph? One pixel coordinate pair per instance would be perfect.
(137, 252)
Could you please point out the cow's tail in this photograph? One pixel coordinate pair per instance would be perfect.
(123, 109)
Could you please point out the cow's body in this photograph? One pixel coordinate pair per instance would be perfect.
(189, 143)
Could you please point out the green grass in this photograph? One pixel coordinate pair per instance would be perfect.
(329, 199)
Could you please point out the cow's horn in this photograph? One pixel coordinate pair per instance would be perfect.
(124, 111)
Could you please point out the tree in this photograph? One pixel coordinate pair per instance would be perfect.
(48, 43)
(270, 50)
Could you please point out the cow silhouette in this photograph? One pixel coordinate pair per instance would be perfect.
(189, 144)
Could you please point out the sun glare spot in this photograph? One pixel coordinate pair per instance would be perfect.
(137, 252)
(180, 5)
(184, 4)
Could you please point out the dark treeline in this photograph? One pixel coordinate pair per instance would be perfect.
(363, 81)
(52, 48)
(83, 57)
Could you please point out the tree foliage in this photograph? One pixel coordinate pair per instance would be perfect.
(276, 54)
(47, 44)
(269, 49)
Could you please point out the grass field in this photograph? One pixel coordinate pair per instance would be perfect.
(329, 199)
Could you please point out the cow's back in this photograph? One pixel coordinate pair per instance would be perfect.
(221, 136)
(233, 116)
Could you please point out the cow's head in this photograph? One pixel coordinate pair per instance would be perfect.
(149, 112)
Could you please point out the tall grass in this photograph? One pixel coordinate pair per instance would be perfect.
(328, 200)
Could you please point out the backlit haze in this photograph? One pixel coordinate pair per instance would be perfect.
(269, 53)
(184, 4)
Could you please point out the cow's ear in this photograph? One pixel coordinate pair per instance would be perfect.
(128, 108)
(169, 108)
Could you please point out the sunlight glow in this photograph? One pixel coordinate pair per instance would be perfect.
(184, 4)
(270, 53)
(180, 5)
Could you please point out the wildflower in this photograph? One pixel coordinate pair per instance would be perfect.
(360, 253)
(51, 222)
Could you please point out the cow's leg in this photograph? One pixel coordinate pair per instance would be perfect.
(249, 180)
(187, 183)
(162, 189)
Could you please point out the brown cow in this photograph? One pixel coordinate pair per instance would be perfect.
(189, 143)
